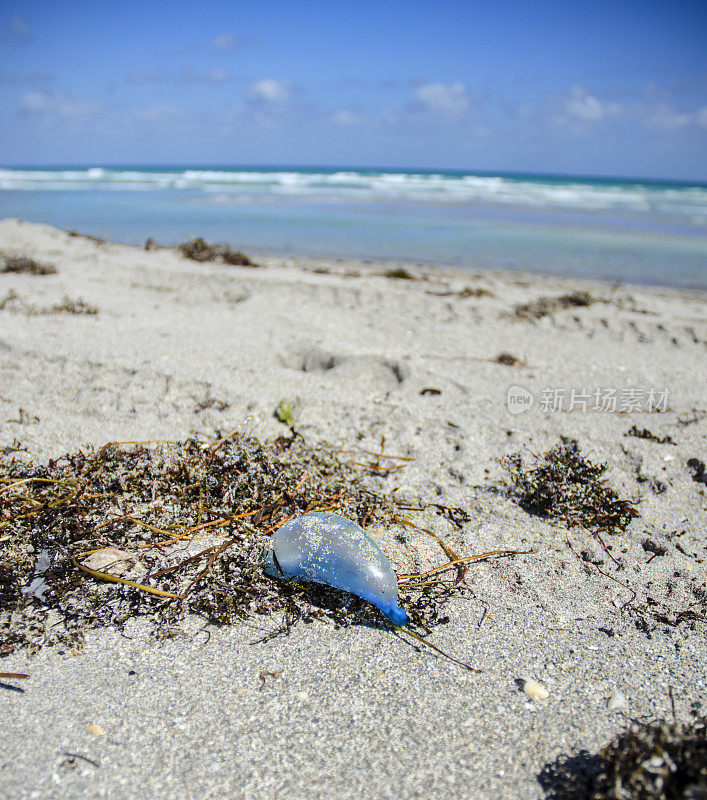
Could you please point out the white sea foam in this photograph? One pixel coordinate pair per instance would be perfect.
(687, 204)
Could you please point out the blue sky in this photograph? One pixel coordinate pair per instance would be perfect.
(614, 88)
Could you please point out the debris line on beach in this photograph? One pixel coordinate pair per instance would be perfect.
(544, 306)
(199, 250)
(24, 264)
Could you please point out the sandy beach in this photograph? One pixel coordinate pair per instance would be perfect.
(451, 371)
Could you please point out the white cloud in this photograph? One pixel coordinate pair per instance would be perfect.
(54, 105)
(579, 109)
(35, 102)
(391, 117)
(225, 42)
(449, 99)
(187, 75)
(270, 91)
(154, 115)
(345, 117)
(217, 75)
(581, 106)
(667, 118)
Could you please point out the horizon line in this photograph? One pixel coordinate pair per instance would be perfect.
(350, 167)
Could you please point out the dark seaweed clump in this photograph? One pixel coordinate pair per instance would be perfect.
(474, 291)
(543, 306)
(697, 468)
(25, 264)
(199, 250)
(649, 761)
(400, 274)
(563, 485)
(94, 239)
(68, 305)
(177, 528)
(508, 360)
(644, 433)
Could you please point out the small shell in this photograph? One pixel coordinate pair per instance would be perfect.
(535, 690)
(616, 701)
(330, 549)
(95, 729)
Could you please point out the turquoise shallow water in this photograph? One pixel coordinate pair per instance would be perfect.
(618, 230)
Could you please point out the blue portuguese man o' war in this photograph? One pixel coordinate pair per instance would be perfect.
(330, 549)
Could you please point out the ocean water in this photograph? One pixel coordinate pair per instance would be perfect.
(619, 230)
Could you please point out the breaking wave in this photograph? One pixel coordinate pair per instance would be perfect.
(680, 202)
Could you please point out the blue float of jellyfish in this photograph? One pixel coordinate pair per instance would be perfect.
(330, 549)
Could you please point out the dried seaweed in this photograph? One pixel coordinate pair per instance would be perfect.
(649, 761)
(473, 291)
(697, 468)
(691, 417)
(70, 305)
(168, 528)
(401, 274)
(210, 402)
(644, 433)
(563, 485)
(13, 302)
(25, 264)
(16, 446)
(199, 250)
(10, 301)
(508, 360)
(88, 236)
(463, 294)
(24, 418)
(543, 306)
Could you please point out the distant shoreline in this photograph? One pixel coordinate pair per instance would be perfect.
(643, 233)
(343, 266)
(519, 174)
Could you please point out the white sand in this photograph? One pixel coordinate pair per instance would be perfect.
(358, 712)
